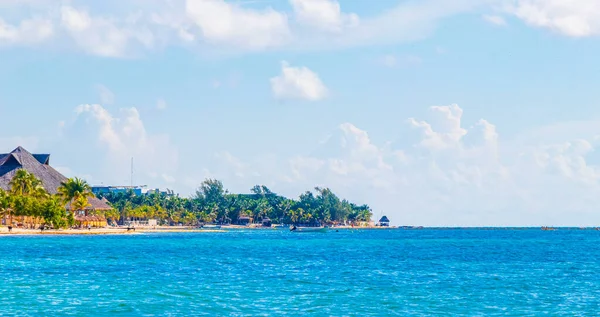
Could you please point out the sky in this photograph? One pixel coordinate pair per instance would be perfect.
(433, 112)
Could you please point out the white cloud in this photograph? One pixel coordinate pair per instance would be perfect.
(123, 29)
(298, 83)
(128, 29)
(29, 31)
(441, 170)
(122, 137)
(407, 21)
(573, 18)
(161, 104)
(495, 19)
(103, 36)
(447, 133)
(324, 15)
(451, 175)
(229, 24)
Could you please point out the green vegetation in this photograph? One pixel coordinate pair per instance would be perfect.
(30, 202)
(213, 203)
(27, 198)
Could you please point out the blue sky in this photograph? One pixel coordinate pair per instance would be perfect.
(433, 112)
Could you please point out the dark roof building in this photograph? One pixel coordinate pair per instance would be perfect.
(384, 221)
(266, 222)
(38, 165)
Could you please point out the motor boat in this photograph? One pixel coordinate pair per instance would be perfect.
(308, 229)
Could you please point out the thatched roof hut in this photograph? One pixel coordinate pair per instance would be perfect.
(244, 220)
(384, 221)
(38, 165)
(266, 222)
(91, 220)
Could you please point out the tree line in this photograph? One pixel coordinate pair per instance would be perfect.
(27, 197)
(212, 203)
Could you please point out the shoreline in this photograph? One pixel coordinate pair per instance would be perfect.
(187, 229)
(159, 229)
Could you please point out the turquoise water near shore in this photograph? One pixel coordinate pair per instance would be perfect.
(271, 273)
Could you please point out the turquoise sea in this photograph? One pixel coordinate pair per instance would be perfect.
(432, 272)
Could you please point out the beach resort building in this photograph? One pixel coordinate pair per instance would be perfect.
(39, 165)
(137, 190)
(244, 221)
(384, 222)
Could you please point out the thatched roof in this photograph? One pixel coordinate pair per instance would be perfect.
(95, 204)
(38, 165)
(89, 218)
(384, 219)
(18, 159)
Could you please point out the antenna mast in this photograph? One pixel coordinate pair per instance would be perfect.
(131, 171)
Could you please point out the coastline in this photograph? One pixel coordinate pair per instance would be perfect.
(188, 229)
(159, 229)
(95, 231)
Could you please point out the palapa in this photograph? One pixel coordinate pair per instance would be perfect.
(39, 166)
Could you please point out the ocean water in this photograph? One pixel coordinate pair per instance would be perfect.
(276, 273)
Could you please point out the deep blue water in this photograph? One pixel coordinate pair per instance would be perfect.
(269, 273)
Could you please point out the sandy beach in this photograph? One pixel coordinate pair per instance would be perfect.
(158, 229)
(94, 231)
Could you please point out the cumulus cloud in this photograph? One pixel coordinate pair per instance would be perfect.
(227, 23)
(435, 170)
(573, 18)
(298, 83)
(449, 131)
(28, 31)
(323, 14)
(121, 29)
(103, 36)
(454, 173)
(123, 136)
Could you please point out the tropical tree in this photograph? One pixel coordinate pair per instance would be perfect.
(6, 209)
(112, 214)
(25, 183)
(54, 213)
(75, 191)
(79, 203)
(212, 202)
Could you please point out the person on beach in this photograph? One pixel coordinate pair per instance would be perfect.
(9, 228)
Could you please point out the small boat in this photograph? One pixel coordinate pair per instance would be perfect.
(211, 227)
(308, 229)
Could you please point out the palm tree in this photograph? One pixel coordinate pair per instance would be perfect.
(79, 203)
(25, 183)
(75, 191)
(5, 205)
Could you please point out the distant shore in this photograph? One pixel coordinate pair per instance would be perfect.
(157, 229)
(174, 229)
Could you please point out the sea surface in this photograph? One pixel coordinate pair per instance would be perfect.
(431, 272)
